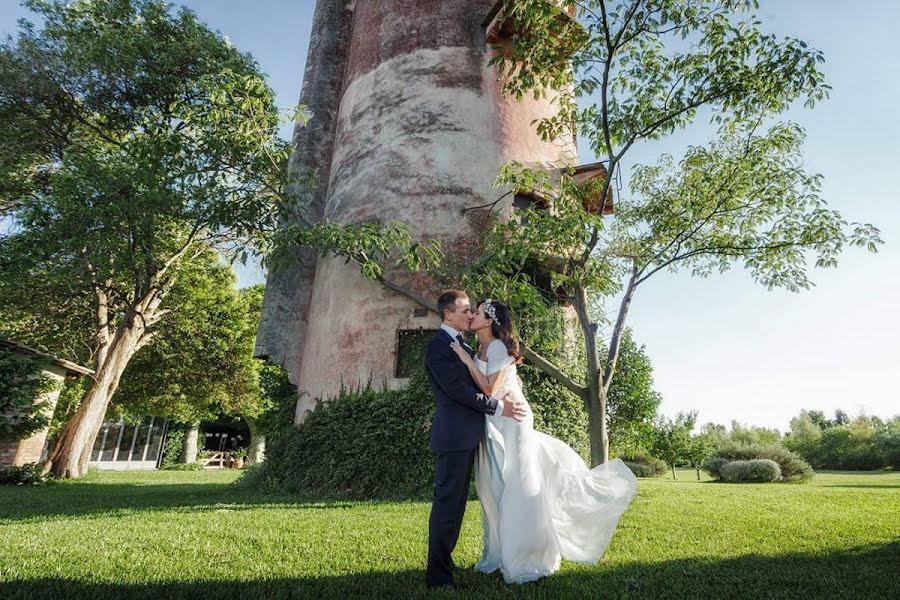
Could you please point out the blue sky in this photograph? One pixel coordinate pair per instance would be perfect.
(724, 345)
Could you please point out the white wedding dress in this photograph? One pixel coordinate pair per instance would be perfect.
(539, 502)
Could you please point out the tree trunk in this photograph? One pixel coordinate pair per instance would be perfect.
(257, 442)
(189, 449)
(674, 476)
(71, 455)
(698, 473)
(595, 400)
(257, 448)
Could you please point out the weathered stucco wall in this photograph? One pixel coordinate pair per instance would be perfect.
(420, 134)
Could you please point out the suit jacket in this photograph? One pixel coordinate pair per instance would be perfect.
(460, 408)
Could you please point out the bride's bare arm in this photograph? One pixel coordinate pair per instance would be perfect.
(488, 384)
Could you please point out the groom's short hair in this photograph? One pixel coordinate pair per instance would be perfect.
(447, 300)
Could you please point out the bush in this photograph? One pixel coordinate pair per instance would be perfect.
(640, 469)
(793, 468)
(27, 474)
(888, 444)
(194, 466)
(758, 470)
(173, 447)
(643, 465)
(362, 444)
(713, 465)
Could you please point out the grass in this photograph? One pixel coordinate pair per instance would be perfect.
(193, 535)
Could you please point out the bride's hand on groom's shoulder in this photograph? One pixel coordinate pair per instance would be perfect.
(460, 352)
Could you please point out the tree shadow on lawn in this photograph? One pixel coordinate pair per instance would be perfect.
(70, 499)
(860, 573)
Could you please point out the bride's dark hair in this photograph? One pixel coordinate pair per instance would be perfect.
(501, 327)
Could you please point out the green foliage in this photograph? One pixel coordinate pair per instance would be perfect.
(22, 383)
(279, 397)
(643, 465)
(713, 465)
(793, 468)
(698, 450)
(200, 362)
(361, 444)
(752, 435)
(370, 245)
(631, 401)
(27, 474)
(864, 443)
(173, 447)
(67, 403)
(758, 470)
(132, 133)
(888, 444)
(671, 439)
(194, 466)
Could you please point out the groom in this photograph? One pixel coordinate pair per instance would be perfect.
(456, 431)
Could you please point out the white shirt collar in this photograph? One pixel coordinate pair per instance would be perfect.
(453, 333)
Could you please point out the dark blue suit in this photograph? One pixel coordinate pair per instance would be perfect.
(456, 431)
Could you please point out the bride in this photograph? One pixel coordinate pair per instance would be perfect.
(539, 502)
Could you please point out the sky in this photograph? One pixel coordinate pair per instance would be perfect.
(726, 346)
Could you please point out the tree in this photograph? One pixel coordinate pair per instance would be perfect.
(200, 362)
(699, 448)
(672, 439)
(623, 72)
(632, 401)
(753, 435)
(805, 436)
(134, 138)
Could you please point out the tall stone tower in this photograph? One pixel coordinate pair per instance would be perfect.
(407, 123)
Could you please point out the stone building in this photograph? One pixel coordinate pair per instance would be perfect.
(407, 122)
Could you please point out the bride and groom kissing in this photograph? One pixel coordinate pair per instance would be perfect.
(539, 501)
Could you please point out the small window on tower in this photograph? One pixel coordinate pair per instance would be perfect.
(411, 350)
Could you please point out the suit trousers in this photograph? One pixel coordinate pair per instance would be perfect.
(451, 491)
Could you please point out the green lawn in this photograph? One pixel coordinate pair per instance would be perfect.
(192, 535)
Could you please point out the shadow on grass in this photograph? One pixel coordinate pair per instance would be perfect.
(874, 486)
(83, 499)
(860, 573)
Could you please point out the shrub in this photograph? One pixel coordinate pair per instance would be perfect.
(643, 465)
(362, 444)
(793, 468)
(758, 470)
(888, 443)
(27, 474)
(194, 466)
(713, 465)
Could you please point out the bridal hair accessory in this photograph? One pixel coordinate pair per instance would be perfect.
(490, 310)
